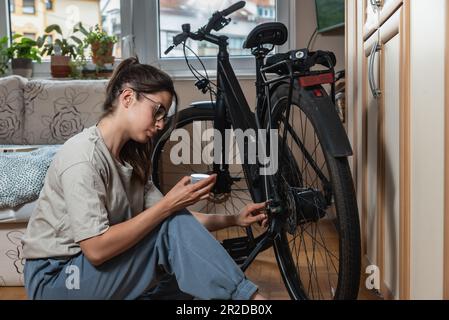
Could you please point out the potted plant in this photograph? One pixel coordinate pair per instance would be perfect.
(61, 50)
(4, 58)
(78, 63)
(101, 45)
(22, 54)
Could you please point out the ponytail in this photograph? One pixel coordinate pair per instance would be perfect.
(142, 78)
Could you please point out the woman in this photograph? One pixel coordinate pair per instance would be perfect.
(101, 230)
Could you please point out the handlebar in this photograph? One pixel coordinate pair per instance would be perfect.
(216, 22)
(218, 19)
(235, 7)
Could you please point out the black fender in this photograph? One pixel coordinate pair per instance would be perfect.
(328, 125)
(203, 104)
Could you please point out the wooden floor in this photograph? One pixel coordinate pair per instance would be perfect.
(263, 271)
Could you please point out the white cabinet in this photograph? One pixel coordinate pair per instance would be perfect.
(370, 149)
(381, 161)
(371, 23)
(391, 162)
(398, 138)
(387, 8)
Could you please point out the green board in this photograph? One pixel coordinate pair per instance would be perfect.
(330, 14)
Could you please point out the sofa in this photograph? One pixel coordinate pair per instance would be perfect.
(35, 113)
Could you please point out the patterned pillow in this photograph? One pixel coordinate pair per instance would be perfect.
(11, 109)
(57, 110)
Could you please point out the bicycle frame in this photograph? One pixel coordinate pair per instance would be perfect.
(231, 104)
(231, 101)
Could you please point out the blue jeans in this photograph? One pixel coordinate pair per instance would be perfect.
(179, 259)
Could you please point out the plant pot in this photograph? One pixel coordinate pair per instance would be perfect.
(102, 56)
(60, 66)
(104, 74)
(87, 73)
(22, 67)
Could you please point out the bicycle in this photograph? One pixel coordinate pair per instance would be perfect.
(313, 216)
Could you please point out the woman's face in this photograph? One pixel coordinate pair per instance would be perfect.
(143, 125)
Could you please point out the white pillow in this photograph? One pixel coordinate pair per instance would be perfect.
(19, 214)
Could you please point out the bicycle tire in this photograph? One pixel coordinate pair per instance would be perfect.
(346, 216)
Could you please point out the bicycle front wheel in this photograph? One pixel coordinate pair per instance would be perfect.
(318, 250)
(195, 123)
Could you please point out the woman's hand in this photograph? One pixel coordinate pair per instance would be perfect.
(184, 193)
(251, 213)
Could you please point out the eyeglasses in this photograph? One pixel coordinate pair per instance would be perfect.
(160, 112)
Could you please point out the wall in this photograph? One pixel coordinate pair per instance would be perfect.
(189, 93)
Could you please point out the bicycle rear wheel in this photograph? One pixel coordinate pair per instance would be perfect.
(318, 250)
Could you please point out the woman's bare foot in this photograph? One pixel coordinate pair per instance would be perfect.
(258, 296)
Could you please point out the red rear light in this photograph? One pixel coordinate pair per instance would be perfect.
(316, 79)
(318, 93)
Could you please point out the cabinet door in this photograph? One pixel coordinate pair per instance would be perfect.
(389, 152)
(371, 18)
(387, 9)
(370, 149)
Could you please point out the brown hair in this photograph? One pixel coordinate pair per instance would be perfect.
(142, 78)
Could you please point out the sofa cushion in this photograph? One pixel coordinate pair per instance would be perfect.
(11, 260)
(11, 109)
(57, 110)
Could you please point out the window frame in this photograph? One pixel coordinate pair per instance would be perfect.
(147, 31)
(34, 8)
(4, 23)
(52, 6)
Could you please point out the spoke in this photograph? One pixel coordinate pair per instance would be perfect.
(316, 178)
(242, 199)
(329, 273)
(314, 260)
(322, 245)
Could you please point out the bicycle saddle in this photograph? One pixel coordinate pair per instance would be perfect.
(274, 33)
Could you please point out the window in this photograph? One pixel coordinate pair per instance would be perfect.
(28, 7)
(49, 4)
(149, 37)
(111, 21)
(30, 35)
(175, 13)
(66, 14)
(137, 26)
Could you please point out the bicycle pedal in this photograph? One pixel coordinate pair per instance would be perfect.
(238, 248)
(236, 243)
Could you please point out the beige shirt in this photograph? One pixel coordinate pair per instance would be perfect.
(85, 191)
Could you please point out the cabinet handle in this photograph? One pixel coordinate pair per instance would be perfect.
(376, 3)
(372, 82)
